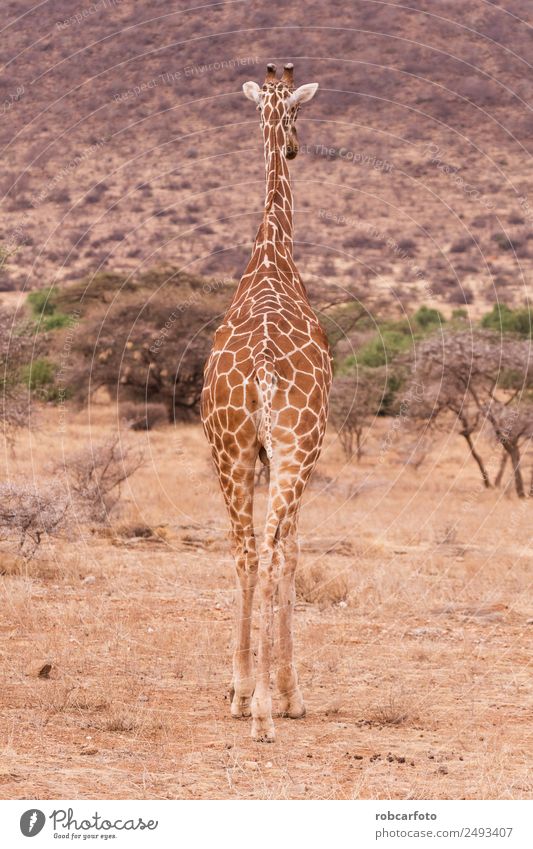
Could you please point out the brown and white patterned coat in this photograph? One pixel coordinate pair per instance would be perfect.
(265, 395)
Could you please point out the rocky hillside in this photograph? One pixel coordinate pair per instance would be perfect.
(127, 143)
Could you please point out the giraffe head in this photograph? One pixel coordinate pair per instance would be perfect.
(278, 102)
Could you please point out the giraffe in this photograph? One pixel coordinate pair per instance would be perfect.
(265, 395)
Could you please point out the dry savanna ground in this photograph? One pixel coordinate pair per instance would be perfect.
(413, 634)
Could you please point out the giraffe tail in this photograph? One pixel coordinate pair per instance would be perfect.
(265, 378)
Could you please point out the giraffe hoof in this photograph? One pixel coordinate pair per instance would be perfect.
(263, 732)
(296, 712)
(293, 706)
(241, 707)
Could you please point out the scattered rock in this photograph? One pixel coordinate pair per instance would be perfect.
(44, 671)
(426, 632)
(7, 775)
(488, 611)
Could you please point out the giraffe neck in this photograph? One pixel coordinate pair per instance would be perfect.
(276, 228)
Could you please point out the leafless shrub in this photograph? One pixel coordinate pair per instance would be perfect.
(479, 90)
(460, 294)
(59, 195)
(16, 348)
(360, 241)
(29, 513)
(460, 246)
(408, 246)
(447, 535)
(143, 416)
(414, 452)
(353, 402)
(94, 476)
(394, 711)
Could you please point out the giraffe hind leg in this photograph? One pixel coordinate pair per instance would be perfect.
(279, 529)
(291, 699)
(238, 488)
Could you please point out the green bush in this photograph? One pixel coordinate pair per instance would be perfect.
(459, 314)
(39, 375)
(43, 305)
(506, 320)
(383, 348)
(55, 321)
(427, 317)
(42, 301)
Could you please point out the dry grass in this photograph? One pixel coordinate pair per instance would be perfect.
(315, 584)
(412, 644)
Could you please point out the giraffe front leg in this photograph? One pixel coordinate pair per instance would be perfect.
(262, 724)
(291, 699)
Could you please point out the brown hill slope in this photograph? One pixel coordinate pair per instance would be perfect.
(126, 142)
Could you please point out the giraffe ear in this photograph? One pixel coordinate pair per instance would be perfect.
(303, 94)
(252, 91)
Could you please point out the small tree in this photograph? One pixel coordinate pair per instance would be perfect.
(353, 403)
(513, 427)
(474, 376)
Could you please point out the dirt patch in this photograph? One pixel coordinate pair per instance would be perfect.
(416, 676)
